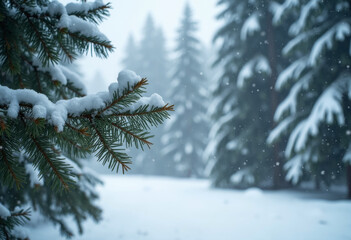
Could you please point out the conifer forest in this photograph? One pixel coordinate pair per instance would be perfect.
(175, 120)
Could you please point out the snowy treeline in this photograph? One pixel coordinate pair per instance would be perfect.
(281, 107)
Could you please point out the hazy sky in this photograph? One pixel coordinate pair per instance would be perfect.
(128, 16)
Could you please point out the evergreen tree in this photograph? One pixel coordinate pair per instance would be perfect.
(185, 138)
(245, 102)
(315, 113)
(132, 57)
(47, 125)
(152, 56)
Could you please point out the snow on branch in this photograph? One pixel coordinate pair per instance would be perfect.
(4, 212)
(347, 156)
(306, 10)
(61, 74)
(259, 64)
(294, 166)
(73, 23)
(34, 174)
(244, 175)
(327, 107)
(84, 7)
(68, 19)
(292, 72)
(75, 27)
(222, 121)
(217, 133)
(250, 26)
(57, 113)
(278, 10)
(340, 30)
(280, 129)
(290, 102)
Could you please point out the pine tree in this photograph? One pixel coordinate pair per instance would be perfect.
(48, 125)
(186, 133)
(153, 56)
(132, 57)
(315, 113)
(244, 101)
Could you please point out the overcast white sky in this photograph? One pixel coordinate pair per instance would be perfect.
(128, 16)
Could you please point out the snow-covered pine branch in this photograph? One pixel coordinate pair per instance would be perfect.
(258, 64)
(289, 104)
(326, 109)
(56, 114)
(295, 166)
(48, 123)
(278, 10)
(69, 23)
(339, 32)
(293, 71)
(280, 129)
(305, 13)
(250, 26)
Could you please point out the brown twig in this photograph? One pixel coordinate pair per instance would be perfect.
(164, 108)
(2, 124)
(21, 214)
(132, 134)
(82, 131)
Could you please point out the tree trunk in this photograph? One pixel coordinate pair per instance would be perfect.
(348, 179)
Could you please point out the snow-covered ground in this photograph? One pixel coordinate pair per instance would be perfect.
(155, 208)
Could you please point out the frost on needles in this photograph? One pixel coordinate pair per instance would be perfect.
(48, 125)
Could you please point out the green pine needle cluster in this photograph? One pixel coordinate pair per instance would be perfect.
(17, 218)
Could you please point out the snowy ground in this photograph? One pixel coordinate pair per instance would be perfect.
(154, 208)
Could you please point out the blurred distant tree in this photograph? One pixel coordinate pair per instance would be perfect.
(153, 56)
(186, 133)
(316, 112)
(48, 125)
(132, 57)
(245, 100)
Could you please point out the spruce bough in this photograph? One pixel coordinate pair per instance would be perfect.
(48, 124)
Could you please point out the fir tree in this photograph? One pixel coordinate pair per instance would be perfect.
(152, 56)
(132, 56)
(185, 138)
(244, 101)
(48, 125)
(315, 113)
